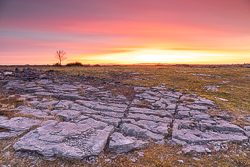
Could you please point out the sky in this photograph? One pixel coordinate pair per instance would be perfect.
(125, 31)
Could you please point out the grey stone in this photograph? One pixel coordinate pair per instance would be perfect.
(178, 142)
(108, 160)
(83, 109)
(147, 111)
(16, 126)
(44, 82)
(3, 118)
(179, 152)
(149, 117)
(68, 115)
(197, 107)
(171, 94)
(183, 108)
(43, 76)
(134, 159)
(196, 159)
(208, 150)
(227, 127)
(161, 142)
(195, 148)
(112, 114)
(109, 120)
(122, 97)
(187, 131)
(140, 154)
(65, 139)
(1, 76)
(43, 104)
(182, 114)
(64, 105)
(247, 128)
(48, 94)
(141, 88)
(7, 135)
(8, 73)
(68, 96)
(203, 101)
(80, 118)
(222, 99)
(133, 130)
(92, 89)
(49, 123)
(147, 97)
(103, 106)
(5, 148)
(93, 123)
(19, 123)
(161, 128)
(35, 112)
(7, 154)
(247, 132)
(171, 107)
(121, 144)
(181, 161)
(212, 88)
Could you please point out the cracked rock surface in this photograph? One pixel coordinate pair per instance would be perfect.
(16, 126)
(92, 117)
(66, 139)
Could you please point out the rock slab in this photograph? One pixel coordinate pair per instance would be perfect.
(65, 139)
(121, 144)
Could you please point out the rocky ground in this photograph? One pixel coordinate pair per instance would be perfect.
(76, 117)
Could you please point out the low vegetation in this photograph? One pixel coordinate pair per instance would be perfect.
(74, 64)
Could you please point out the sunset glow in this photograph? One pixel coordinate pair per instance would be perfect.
(125, 32)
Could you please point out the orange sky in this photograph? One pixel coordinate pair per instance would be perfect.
(125, 32)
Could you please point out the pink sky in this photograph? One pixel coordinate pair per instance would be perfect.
(125, 32)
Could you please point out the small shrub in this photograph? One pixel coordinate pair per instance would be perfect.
(74, 64)
(57, 65)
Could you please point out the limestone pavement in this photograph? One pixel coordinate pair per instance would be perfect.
(80, 124)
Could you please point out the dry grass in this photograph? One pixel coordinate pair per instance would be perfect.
(50, 107)
(126, 90)
(142, 104)
(80, 91)
(12, 102)
(154, 156)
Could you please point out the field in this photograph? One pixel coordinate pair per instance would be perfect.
(228, 86)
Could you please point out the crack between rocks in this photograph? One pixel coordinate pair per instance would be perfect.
(126, 112)
(174, 115)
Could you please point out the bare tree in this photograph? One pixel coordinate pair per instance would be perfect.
(60, 56)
